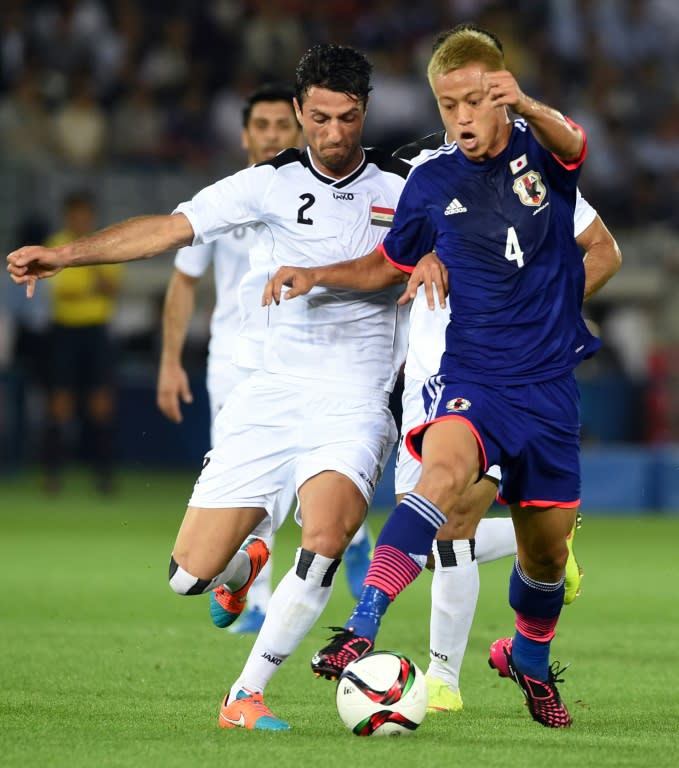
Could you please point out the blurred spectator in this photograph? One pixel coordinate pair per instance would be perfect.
(165, 67)
(136, 128)
(273, 40)
(80, 127)
(80, 355)
(25, 125)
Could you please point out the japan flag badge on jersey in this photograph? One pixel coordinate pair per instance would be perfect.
(518, 164)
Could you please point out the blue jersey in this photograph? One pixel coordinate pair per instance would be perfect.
(504, 230)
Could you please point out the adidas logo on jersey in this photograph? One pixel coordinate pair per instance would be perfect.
(455, 206)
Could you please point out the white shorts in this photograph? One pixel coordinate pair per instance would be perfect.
(272, 431)
(407, 468)
(222, 378)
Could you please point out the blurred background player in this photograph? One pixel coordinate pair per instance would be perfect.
(269, 126)
(81, 356)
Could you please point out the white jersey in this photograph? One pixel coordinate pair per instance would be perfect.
(229, 257)
(339, 338)
(427, 337)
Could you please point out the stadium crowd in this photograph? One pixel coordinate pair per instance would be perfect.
(90, 89)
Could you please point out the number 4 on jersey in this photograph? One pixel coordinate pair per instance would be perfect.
(513, 250)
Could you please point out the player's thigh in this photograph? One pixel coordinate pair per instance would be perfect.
(450, 462)
(332, 509)
(208, 538)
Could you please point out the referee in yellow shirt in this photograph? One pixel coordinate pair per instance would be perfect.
(81, 355)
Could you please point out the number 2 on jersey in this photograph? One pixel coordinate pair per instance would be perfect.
(310, 200)
(513, 250)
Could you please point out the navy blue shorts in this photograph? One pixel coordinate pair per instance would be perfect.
(532, 431)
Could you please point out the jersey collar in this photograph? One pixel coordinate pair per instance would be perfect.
(307, 162)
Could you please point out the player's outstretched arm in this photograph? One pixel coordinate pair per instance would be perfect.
(602, 256)
(369, 273)
(549, 126)
(173, 386)
(138, 238)
(430, 272)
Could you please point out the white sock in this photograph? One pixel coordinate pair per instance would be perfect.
(454, 592)
(236, 573)
(259, 593)
(494, 538)
(360, 535)
(296, 604)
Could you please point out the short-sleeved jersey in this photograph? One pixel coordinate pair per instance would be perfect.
(426, 339)
(303, 218)
(504, 230)
(229, 256)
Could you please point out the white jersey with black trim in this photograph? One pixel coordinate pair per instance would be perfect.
(230, 260)
(332, 337)
(426, 340)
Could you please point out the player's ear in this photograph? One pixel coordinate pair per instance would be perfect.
(298, 109)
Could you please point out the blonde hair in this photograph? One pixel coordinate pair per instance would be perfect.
(461, 47)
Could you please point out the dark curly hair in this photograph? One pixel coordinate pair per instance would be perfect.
(338, 68)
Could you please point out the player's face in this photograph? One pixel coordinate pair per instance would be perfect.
(271, 128)
(332, 124)
(480, 129)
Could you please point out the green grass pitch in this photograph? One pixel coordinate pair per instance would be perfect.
(102, 665)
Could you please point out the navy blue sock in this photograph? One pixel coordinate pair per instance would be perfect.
(538, 606)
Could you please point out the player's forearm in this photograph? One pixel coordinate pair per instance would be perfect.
(177, 313)
(552, 130)
(369, 273)
(138, 238)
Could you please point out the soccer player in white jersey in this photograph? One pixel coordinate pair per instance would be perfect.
(318, 409)
(269, 126)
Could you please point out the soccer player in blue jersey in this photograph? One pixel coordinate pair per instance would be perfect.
(497, 207)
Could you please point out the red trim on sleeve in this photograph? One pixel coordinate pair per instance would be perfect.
(573, 164)
(384, 253)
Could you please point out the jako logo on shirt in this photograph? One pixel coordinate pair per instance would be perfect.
(343, 195)
(458, 404)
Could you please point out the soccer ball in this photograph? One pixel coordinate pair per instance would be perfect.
(382, 694)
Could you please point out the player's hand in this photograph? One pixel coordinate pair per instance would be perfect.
(431, 273)
(299, 280)
(31, 263)
(173, 388)
(503, 90)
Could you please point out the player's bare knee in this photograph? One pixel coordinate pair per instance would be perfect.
(317, 570)
(183, 583)
(443, 483)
